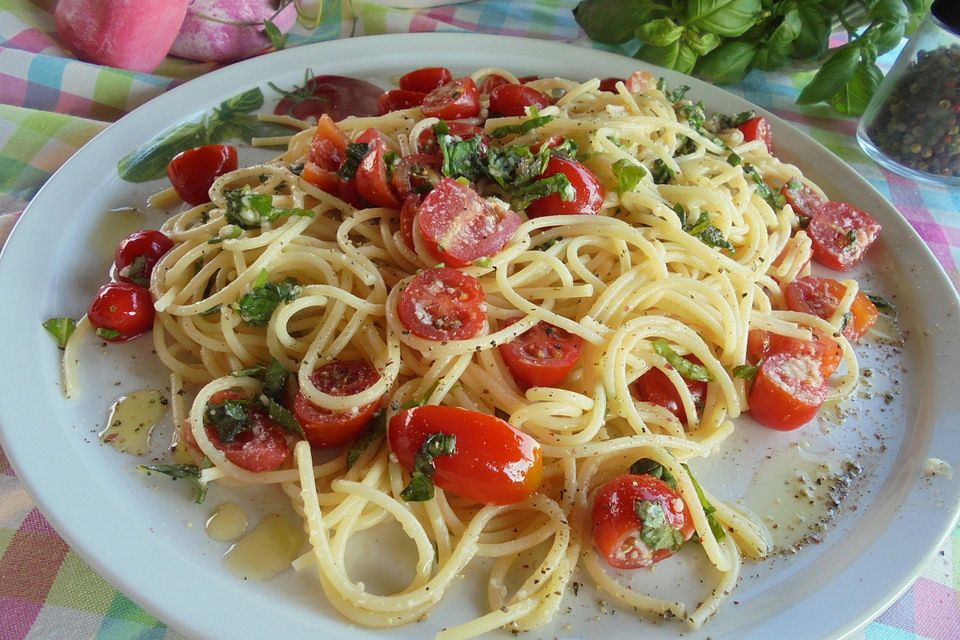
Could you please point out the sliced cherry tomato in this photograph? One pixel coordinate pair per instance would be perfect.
(821, 296)
(491, 82)
(262, 447)
(408, 218)
(335, 96)
(192, 172)
(805, 201)
(762, 344)
(458, 226)
(443, 304)
(618, 529)
(541, 356)
(788, 391)
(527, 79)
(609, 84)
(397, 99)
(328, 149)
(841, 234)
(426, 79)
(325, 428)
(758, 129)
(333, 184)
(588, 196)
(121, 307)
(655, 387)
(453, 101)
(138, 254)
(416, 173)
(493, 463)
(371, 180)
(427, 143)
(512, 100)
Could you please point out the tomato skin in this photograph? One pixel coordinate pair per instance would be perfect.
(762, 344)
(443, 304)
(821, 297)
(494, 463)
(334, 96)
(758, 129)
(453, 101)
(589, 192)
(408, 218)
(325, 428)
(787, 391)
(397, 99)
(328, 149)
(263, 447)
(541, 356)
(655, 387)
(123, 307)
(491, 82)
(512, 100)
(640, 81)
(805, 201)
(617, 527)
(416, 173)
(371, 179)
(829, 230)
(458, 226)
(192, 172)
(426, 79)
(149, 244)
(427, 143)
(609, 84)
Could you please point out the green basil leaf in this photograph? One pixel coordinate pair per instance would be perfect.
(613, 21)
(420, 488)
(771, 58)
(515, 167)
(275, 380)
(355, 153)
(108, 334)
(257, 306)
(789, 28)
(660, 32)
(883, 305)
(918, 10)
(150, 161)
(628, 175)
(814, 35)
(832, 76)
(251, 372)
(701, 43)
(189, 472)
(853, 98)
(657, 532)
(687, 369)
(61, 329)
(888, 11)
(715, 527)
(462, 158)
(728, 63)
(281, 415)
(653, 468)
(775, 199)
(524, 127)
(276, 37)
(230, 418)
(557, 183)
(375, 430)
(246, 102)
(728, 18)
(662, 174)
(746, 371)
(887, 36)
(209, 312)
(677, 55)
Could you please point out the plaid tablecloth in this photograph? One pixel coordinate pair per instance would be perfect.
(51, 104)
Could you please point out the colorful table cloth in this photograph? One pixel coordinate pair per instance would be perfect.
(51, 104)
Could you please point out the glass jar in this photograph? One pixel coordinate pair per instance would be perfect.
(912, 124)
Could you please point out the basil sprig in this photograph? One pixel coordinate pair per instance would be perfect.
(375, 430)
(257, 306)
(708, 509)
(61, 329)
(420, 488)
(687, 369)
(189, 472)
(249, 210)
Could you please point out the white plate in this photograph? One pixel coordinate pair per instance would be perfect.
(146, 536)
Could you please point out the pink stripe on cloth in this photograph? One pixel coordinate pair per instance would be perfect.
(447, 15)
(16, 617)
(32, 40)
(5, 467)
(13, 90)
(937, 610)
(906, 195)
(845, 127)
(36, 523)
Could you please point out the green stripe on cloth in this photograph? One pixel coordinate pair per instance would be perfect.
(113, 89)
(6, 535)
(77, 586)
(122, 608)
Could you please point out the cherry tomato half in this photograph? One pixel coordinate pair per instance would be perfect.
(513, 99)
(443, 304)
(588, 198)
(328, 149)
(541, 356)
(397, 99)
(334, 96)
(458, 226)
(262, 447)
(426, 79)
(617, 528)
(655, 387)
(371, 179)
(408, 218)
(758, 129)
(122, 307)
(192, 172)
(138, 254)
(821, 296)
(325, 428)
(788, 391)
(763, 344)
(491, 82)
(609, 84)
(841, 234)
(493, 463)
(416, 173)
(453, 101)
(805, 201)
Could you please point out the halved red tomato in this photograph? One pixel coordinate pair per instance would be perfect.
(333, 184)
(443, 304)
(325, 428)
(805, 201)
(841, 234)
(588, 192)
(458, 226)
(138, 254)
(262, 447)
(396, 99)
(513, 99)
(491, 82)
(655, 387)
(821, 297)
(493, 463)
(192, 172)
(763, 344)
(121, 311)
(426, 79)
(623, 537)
(453, 101)
(329, 145)
(609, 84)
(788, 391)
(371, 179)
(541, 356)
(408, 218)
(758, 129)
(416, 173)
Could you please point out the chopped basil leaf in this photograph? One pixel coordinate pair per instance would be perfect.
(281, 415)
(257, 306)
(720, 121)
(566, 149)
(61, 329)
(674, 95)
(734, 159)
(251, 372)
(276, 37)
(275, 380)
(483, 263)
(687, 369)
(746, 371)
(230, 418)
(628, 175)
(421, 486)
(136, 271)
(694, 114)
(662, 174)
(422, 402)
(883, 305)
(249, 210)
(650, 467)
(657, 532)
(794, 184)
(108, 334)
(375, 429)
(775, 199)
(524, 127)
(516, 167)
(702, 229)
(712, 237)
(354, 155)
(699, 226)
(190, 472)
(462, 158)
(851, 239)
(557, 183)
(209, 312)
(549, 243)
(708, 509)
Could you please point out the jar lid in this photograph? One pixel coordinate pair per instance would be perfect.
(947, 13)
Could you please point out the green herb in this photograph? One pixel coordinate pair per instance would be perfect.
(249, 210)
(628, 175)
(483, 263)
(421, 486)
(703, 230)
(734, 159)
(775, 199)
(355, 153)
(566, 149)
(694, 114)
(230, 418)
(794, 185)
(713, 237)
(251, 372)
(462, 158)
(708, 509)
(276, 37)
(657, 532)
(375, 429)
(746, 371)
(108, 334)
(61, 329)
(137, 271)
(653, 468)
(526, 126)
(720, 121)
(189, 472)
(662, 174)
(851, 238)
(275, 380)
(516, 167)
(687, 369)
(422, 402)
(549, 243)
(257, 306)
(281, 415)
(557, 183)
(883, 305)
(209, 312)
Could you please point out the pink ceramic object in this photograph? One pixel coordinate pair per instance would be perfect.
(128, 34)
(227, 30)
